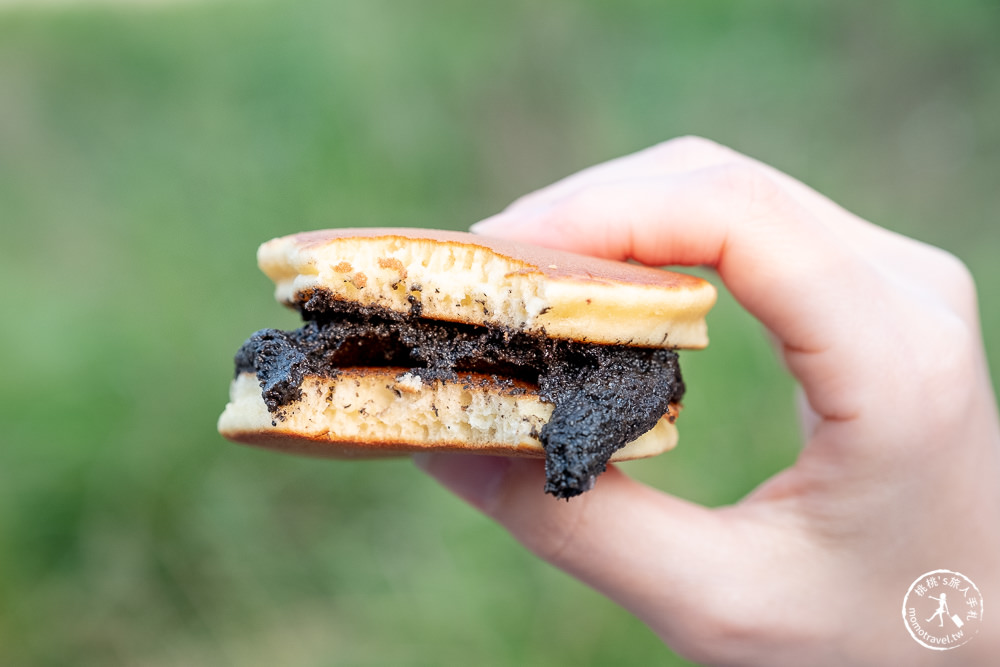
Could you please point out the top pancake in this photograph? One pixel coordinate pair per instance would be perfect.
(461, 277)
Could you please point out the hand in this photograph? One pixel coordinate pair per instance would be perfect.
(900, 469)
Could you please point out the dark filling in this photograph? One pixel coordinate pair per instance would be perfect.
(603, 395)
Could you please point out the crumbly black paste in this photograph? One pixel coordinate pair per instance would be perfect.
(603, 396)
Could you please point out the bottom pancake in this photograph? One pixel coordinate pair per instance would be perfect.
(375, 412)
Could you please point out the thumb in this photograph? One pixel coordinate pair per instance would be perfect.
(642, 548)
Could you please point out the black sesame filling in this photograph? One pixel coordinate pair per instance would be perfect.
(603, 396)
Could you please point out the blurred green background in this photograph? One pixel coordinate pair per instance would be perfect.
(145, 152)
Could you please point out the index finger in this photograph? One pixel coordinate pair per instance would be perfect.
(800, 279)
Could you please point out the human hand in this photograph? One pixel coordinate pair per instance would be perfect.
(900, 469)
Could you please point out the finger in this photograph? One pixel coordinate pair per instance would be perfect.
(789, 270)
(619, 538)
(684, 155)
(934, 271)
(674, 156)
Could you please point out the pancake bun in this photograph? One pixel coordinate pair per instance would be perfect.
(461, 277)
(377, 412)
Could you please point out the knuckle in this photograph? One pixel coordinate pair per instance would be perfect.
(948, 357)
(691, 150)
(722, 633)
(940, 373)
(946, 276)
(956, 279)
(752, 189)
(557, 537)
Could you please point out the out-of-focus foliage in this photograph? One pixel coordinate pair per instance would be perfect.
(146, 151)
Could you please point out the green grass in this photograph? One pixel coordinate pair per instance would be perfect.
(145, 153)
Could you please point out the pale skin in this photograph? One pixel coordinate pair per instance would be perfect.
(899, 473)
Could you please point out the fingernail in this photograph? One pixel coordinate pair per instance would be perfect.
(474, 478)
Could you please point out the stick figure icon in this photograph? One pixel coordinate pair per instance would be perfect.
(941, 610)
